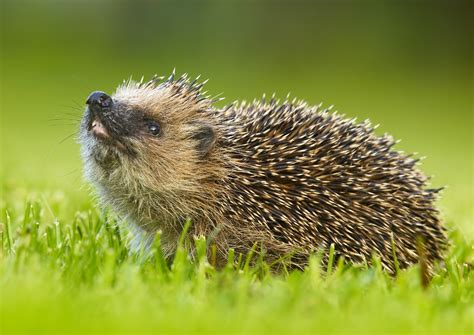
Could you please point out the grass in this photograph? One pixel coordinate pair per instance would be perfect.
(66, 271)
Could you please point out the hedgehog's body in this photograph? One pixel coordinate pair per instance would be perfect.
(288, 177)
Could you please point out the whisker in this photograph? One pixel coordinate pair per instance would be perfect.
(68, 137)
(78, 107)
(72, 172)
(63, 119)
(67, 126)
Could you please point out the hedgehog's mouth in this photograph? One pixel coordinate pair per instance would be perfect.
(99, 131)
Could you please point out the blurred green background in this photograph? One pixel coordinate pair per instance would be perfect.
(407, 65)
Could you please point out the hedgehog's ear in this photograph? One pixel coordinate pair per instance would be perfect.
(205, 136)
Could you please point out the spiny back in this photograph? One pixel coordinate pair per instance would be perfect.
(311, 179)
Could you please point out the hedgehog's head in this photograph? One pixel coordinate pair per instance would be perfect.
(149, 137)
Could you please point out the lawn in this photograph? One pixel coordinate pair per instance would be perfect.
(69, 271)
(65, 265)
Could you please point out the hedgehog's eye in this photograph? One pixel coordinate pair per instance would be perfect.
(154, 128)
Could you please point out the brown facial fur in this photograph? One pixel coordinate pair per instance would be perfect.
(287, 177)
(167, 180)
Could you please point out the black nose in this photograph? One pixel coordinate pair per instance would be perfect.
(99, 99)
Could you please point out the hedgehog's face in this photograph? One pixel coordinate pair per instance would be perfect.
(145, 136)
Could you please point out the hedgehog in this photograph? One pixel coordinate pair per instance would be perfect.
(290, 178)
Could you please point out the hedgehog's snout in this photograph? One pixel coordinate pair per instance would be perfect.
(98, 103)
